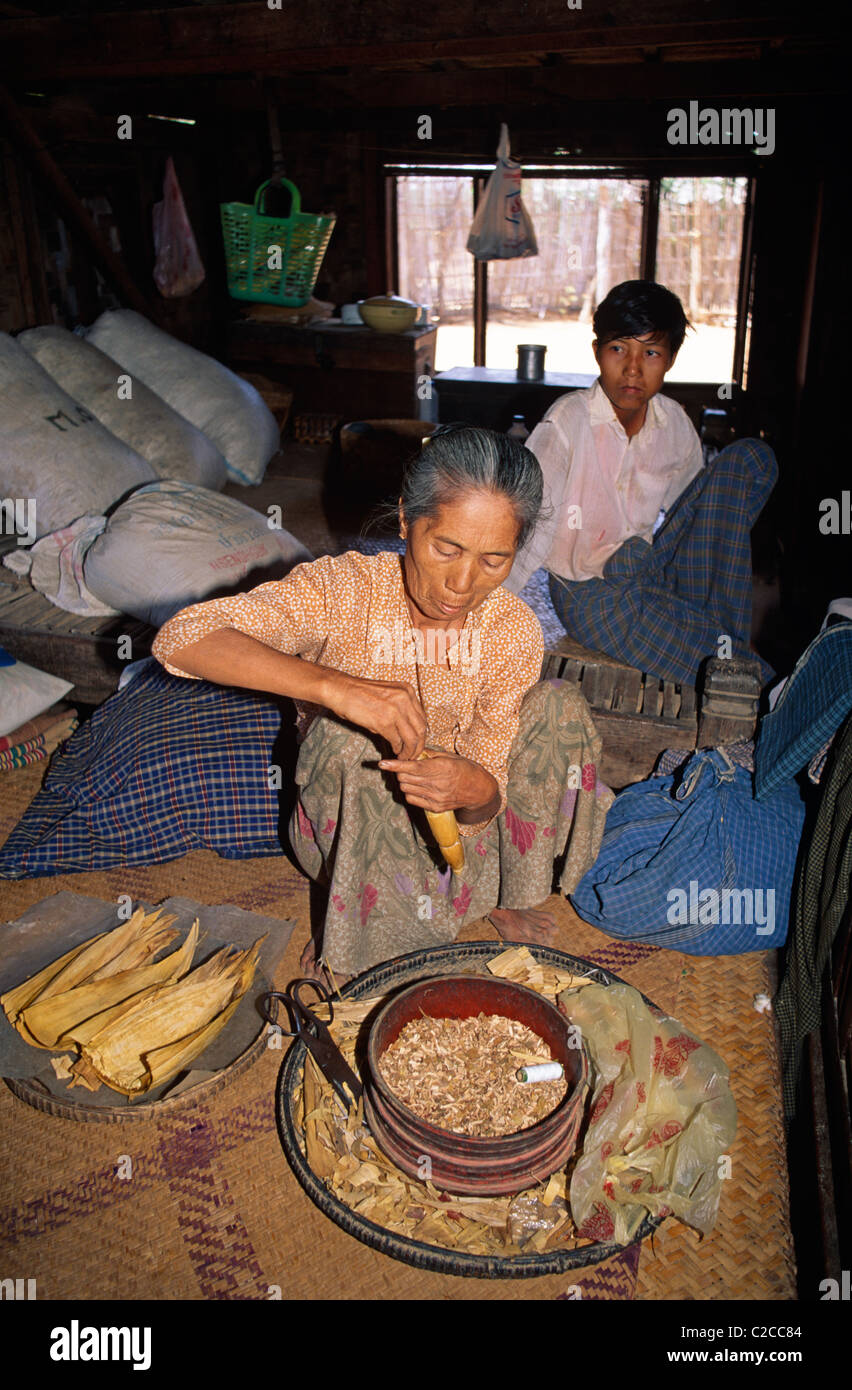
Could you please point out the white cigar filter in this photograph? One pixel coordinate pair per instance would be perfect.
(544, 1071)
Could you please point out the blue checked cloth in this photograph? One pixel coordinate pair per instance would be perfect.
(810, 709)
(692, 862)
(165, 766)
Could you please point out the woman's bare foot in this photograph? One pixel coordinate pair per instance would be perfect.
(524, 924)
(315, 968)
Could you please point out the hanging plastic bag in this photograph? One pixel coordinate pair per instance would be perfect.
(501, 229)
(178, 269)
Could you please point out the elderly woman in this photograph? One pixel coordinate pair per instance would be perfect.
(391, 654)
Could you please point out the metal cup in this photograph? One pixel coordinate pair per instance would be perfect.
(531, 361)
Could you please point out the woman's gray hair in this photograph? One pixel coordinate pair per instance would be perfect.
(463, 458)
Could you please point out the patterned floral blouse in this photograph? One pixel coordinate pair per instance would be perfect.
(349, 613)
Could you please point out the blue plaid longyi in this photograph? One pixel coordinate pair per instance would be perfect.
(662, 607)
(165, 766)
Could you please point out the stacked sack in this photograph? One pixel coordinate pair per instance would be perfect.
(113, 448)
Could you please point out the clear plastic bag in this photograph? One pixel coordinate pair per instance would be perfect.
(662, 1118)
(531, 1223)
(502, 229)
(178, 269)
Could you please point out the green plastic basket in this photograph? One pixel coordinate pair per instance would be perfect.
(251, 238)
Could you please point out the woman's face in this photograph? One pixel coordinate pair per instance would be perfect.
(454, 559)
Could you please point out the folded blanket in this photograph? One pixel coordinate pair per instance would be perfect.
(36, 728)
(34, 750)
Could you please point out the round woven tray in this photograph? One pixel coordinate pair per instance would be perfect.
(36, 1095)
(465, 958)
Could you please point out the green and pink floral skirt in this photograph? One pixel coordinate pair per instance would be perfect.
(389, 889)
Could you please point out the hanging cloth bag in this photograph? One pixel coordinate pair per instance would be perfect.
(501, 229)
(693, 863)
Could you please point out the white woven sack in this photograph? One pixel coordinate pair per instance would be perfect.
(229, 410)
(55, 457)
(173, 447)
(172, 544)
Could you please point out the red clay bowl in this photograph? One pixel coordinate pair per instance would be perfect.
(460, 1163)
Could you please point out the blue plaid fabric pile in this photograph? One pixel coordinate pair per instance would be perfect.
(692, 862)
(165, 766)
(810, 709)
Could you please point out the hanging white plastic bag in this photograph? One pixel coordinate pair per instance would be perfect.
(501, 229)
(178, 269)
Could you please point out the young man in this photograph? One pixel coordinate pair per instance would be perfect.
(648, 551)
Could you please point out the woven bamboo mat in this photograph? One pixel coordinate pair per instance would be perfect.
(207, 1207)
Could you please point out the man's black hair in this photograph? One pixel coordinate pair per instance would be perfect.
(636, 307)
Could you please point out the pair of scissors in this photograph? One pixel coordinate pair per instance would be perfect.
(310, 1030)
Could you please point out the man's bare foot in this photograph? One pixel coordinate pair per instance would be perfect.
(314, 968)
(524, 924)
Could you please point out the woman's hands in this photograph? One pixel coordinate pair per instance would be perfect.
(443, 782)
(446, 782)
(389, 708)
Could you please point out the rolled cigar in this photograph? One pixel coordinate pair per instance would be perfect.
(444, 827)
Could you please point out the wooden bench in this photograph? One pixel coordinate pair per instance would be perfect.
(85, 651)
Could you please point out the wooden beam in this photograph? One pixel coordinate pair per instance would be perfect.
(576, 82)
(253, 38)
(46, 166)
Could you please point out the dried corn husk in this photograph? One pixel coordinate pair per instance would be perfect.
(81, 1032)
(17, 999)
(158, 1035)
(519, 965)
(53, 1016)
(94, 959)
(110, 992)
(165, 1062)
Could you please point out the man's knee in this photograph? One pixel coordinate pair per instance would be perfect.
(752, 459)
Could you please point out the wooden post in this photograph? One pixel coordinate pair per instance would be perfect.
(21, 248)
(32, 145)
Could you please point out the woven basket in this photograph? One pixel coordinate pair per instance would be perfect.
(251, 237)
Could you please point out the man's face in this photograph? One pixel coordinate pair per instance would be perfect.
(632, 370)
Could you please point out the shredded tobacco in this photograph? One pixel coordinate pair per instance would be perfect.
(459, 1073)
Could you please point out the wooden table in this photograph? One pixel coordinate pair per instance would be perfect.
(491, 396)
(357, 373)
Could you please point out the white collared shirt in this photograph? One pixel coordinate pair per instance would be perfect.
(603, 487)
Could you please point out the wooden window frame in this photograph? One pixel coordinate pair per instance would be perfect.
(652, 178)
